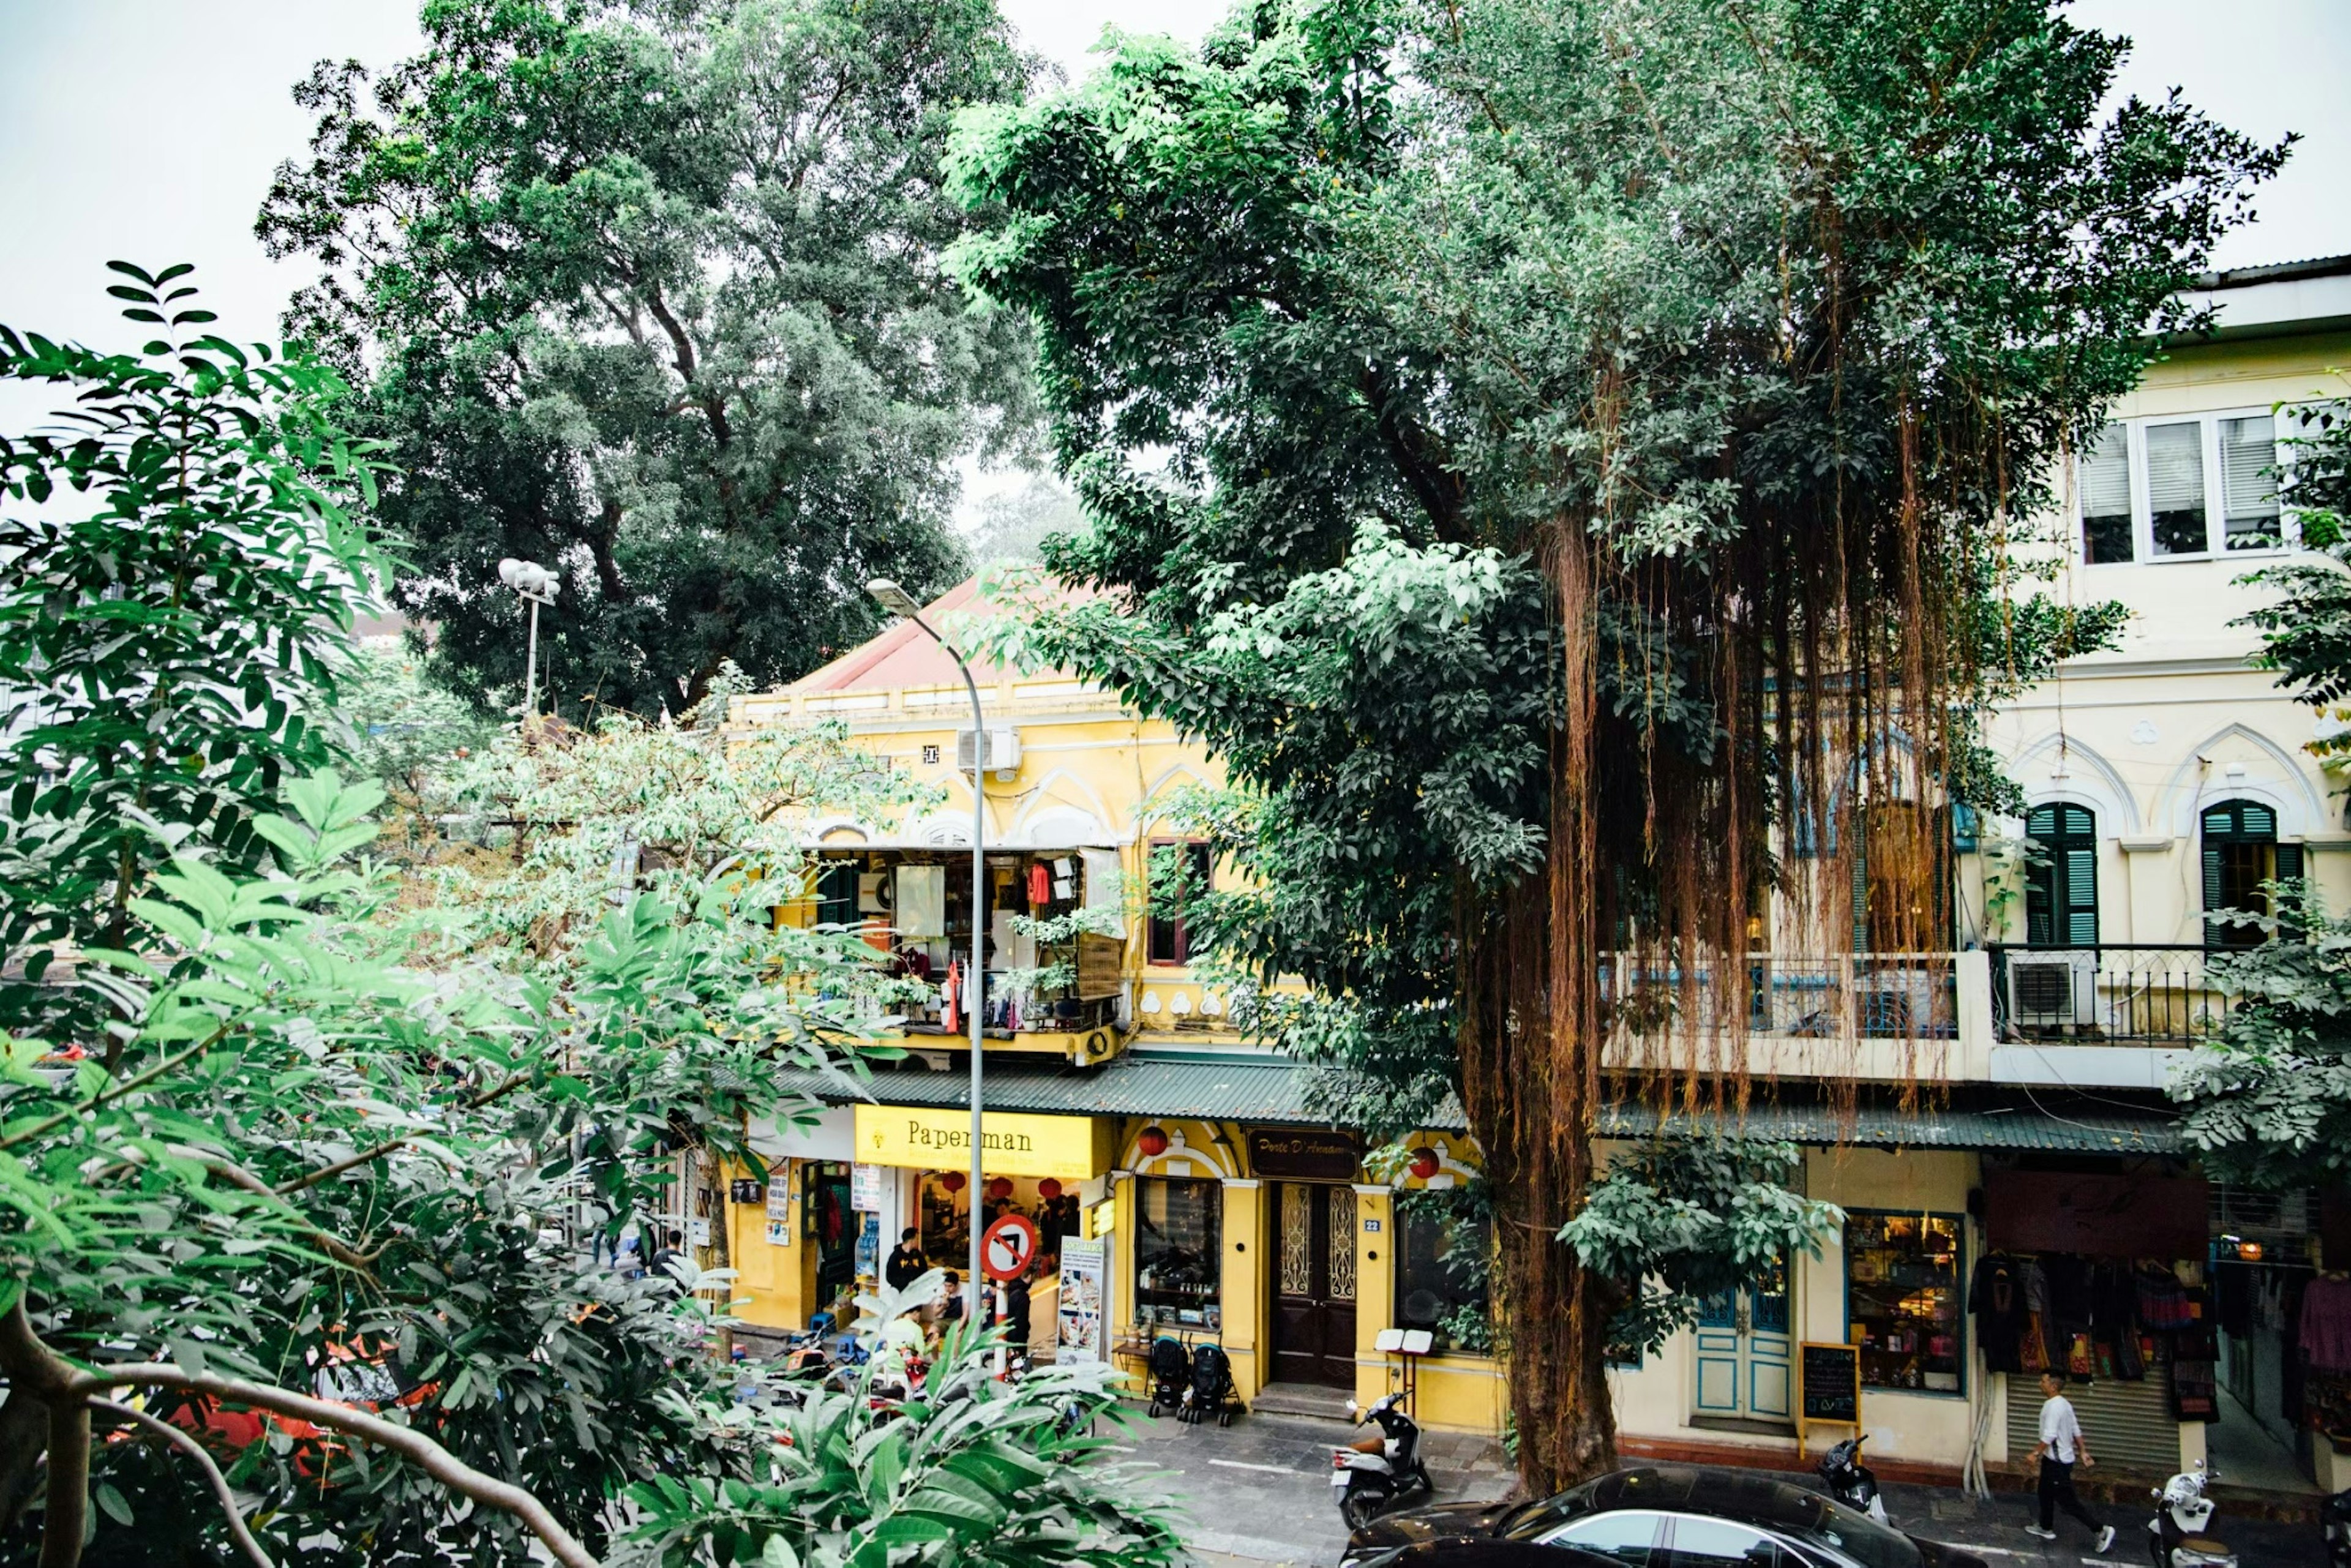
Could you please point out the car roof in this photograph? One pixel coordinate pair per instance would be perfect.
(1744, 1495)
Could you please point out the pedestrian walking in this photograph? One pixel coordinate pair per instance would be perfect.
(2060, 1450)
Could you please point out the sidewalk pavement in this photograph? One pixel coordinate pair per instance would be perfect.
(1258, 1492)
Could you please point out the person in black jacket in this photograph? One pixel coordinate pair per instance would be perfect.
(906, 1264)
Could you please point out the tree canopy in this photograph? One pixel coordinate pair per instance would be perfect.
(653, 294)
(1566, 457)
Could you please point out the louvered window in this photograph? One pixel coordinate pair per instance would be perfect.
(2175, 488)
(2104, 485)
(2248, 497)
(2061, 887)
(2240, 853)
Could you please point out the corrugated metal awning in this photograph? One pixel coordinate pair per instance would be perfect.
(1260, 1088)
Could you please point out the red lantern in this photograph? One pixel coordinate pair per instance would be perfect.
(999, 1186)
(1048, 1189)
(1424, 1162)
(953, 1181)
(1153, 1142)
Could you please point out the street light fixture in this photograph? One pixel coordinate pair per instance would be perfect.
(535, 586)
(899, 603)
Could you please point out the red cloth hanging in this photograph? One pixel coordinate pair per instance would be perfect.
(947, 997)
(1040, 884)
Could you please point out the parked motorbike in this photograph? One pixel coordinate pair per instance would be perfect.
(2175, 1536)
(1849, 1480)
(2334, 1519)
(1372, 1476)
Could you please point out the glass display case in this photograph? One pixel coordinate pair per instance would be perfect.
(1179, 1257)
(1904, 1300)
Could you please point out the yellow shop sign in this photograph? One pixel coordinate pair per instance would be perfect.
(931, 1138)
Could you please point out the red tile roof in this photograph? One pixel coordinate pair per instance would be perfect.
(902, 656)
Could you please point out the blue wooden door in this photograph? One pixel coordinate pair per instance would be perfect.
(1745, 1352)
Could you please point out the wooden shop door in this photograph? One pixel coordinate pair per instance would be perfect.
(1314, 1283)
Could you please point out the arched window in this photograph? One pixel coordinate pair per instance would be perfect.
(2240, 852)
(2061, 879)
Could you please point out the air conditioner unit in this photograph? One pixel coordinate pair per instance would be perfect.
(1003, 752)
(2054, 989)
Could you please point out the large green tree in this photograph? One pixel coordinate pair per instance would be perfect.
(1593, 436)
(652, 293)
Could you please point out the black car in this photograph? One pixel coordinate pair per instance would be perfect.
(1652, 1516)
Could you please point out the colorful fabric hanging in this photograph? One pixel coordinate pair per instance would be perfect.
(947, 992)
(1040, 884)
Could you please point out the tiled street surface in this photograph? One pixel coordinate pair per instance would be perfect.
(1258, 1492)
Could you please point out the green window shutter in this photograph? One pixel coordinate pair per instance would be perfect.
(1860, 888)
(2081, 866)
(2289, 862)
(2212, 896)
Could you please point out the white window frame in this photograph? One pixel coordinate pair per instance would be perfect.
(2216, 524)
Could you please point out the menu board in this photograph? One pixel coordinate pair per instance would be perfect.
(1829, 1385)
(1080, 1304)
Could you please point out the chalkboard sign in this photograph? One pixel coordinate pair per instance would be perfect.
(1829, 1385)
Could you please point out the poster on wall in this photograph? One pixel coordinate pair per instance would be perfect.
(866, 1185)
(779, 1214)
(1082, 1307)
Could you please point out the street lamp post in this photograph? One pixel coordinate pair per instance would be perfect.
(534, 585)
(900, 603)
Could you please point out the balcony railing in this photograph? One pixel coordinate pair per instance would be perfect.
(2111, 994)
(1867, 996)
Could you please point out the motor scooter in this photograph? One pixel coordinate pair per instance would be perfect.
(2175, 1536)
(2334, 1520)
(1849, 1480)
(1374, 1474)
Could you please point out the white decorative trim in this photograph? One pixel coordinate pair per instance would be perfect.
(2106, 794)
(1250, 1183)
(2157, 844)
(1373, 1189)
(2299, 810)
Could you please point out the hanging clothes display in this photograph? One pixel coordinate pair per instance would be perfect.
(947, 997)
(2327, 1324)
(1040, 885)
(1997, 1299)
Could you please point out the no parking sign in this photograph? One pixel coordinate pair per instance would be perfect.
(1008, 1248)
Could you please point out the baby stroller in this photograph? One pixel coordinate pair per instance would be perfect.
(1170, 1374)
(1212, 1387)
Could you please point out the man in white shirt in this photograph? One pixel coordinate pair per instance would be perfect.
(2059, 1448)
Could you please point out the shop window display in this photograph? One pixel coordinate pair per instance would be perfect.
(1178, 1253)
(1437, 1290)
(1903, 1299)
(942, 1215)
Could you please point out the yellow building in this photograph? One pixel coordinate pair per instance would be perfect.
(2163, 779)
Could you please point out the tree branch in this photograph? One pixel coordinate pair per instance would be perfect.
(188, 1444)
(34, 1368)
(428, 1456)
(115, 1091)
(365, 1157)
(334, 1247)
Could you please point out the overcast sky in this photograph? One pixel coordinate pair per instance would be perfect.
(148, 129)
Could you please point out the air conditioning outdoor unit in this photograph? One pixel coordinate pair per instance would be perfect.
(2050, 990)
(1003, 752)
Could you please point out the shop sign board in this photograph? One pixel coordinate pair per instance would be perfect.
(1828, 1385)
(1308, 1153)
(868, 1188)
(934, 1138)
(1080, 1305)
(779, 1214)
(2097, 1216)
(1008, 1248)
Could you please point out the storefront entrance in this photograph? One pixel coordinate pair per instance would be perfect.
(1744, 1353)
(1314, 1283)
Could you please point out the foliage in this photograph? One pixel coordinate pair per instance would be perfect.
(2269, 1099)
(182, 562)
(1464, 1216)
(300, 1130)
(969, 1469)
(1564, 457)
(2306, 629)
(1678, 1219)
(1013, 528)
(655, 297)
(407, 735)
